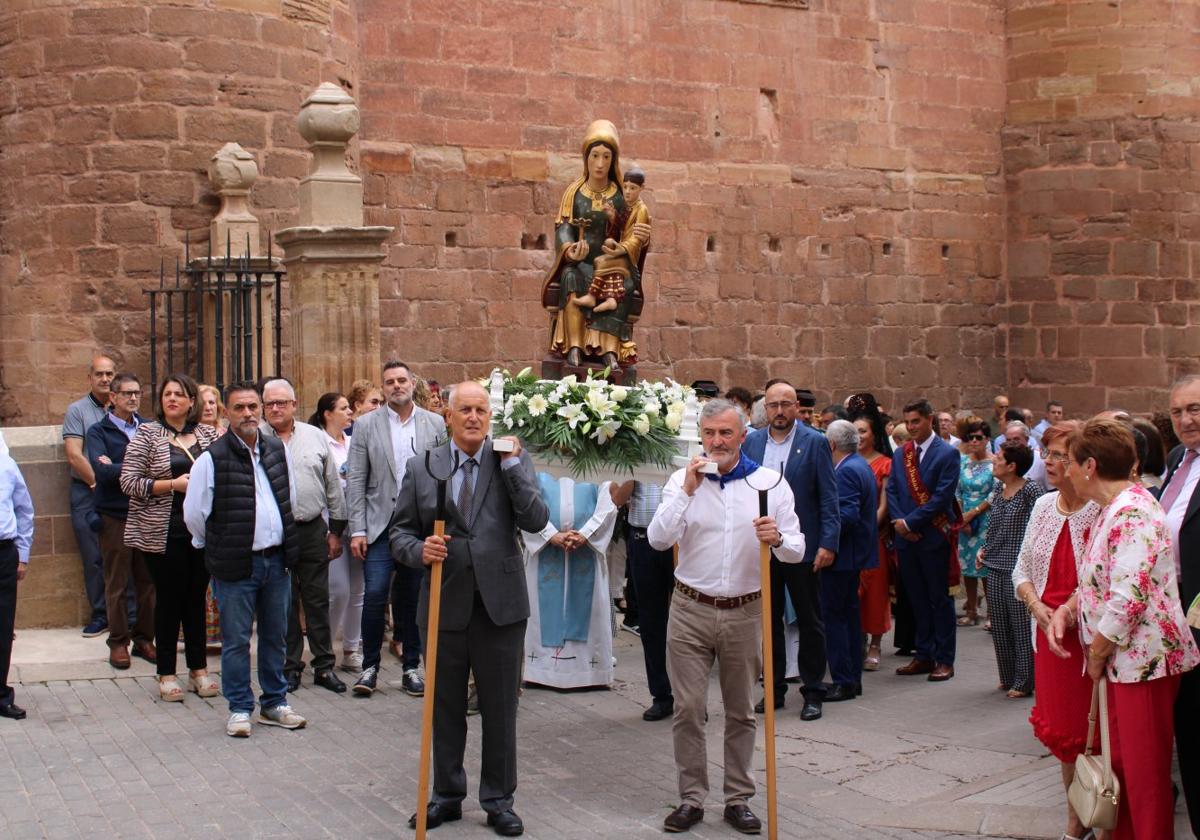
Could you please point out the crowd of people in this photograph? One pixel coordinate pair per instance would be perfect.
(1074, 541)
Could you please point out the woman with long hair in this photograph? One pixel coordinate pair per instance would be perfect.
(212, 413)
(154, 476)
(974, 494)
(334, 416)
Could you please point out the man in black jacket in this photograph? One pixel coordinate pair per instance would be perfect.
(1181, 503)
(105, 448)
(238, 508)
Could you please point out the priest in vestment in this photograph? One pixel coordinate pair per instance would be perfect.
(569, 638)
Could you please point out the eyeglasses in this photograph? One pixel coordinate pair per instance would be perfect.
(1056, 457)
(278, 403)
(129, 393)
(779, 406)
(1192, 410)
(976, 437)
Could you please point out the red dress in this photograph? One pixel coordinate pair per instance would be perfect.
(875, 603)
(1064, 691)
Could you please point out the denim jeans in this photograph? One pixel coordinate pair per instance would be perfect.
(82, 514)
(377, 582)
(267, 594)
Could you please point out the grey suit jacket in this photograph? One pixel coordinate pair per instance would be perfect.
(487, 552)
(371, 469)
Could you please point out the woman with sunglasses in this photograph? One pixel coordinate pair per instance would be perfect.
(975, 484)
(1045, 577)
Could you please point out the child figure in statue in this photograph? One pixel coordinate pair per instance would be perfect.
(607, 290)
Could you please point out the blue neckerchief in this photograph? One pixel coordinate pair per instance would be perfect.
(744, 467)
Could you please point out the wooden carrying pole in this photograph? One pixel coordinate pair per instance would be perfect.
(764, 564)
(431, 646)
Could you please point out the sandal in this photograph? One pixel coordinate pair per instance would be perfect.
(1015, 694)
(968, 620)
(871, 663)
(169, 691)
(204, 685)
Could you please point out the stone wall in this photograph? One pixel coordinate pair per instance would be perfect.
(109, 113)
(825, 183)
(1102, 158)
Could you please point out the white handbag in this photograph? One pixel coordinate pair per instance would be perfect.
(1095, 793)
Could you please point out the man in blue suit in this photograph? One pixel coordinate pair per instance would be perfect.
(801, 454)
(923, 508)
(858, 503)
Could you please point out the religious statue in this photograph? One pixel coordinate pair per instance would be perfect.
(602, 231)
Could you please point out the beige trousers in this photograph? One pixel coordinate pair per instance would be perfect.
(698, 634)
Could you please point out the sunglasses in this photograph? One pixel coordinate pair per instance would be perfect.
(976, 437)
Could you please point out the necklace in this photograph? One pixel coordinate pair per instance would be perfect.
(1068, 512)
(598, 197)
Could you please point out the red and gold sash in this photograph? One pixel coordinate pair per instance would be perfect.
(945, 525)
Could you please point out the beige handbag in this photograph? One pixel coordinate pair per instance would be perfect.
(1095, 793)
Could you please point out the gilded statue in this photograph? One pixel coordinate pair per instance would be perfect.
(601, 234)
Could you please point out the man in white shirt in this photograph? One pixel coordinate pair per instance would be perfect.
(1020, 433)
(716, 610)
(1055, 413)
(1181, 503)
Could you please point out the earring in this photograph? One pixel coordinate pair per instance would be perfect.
(1087, 478)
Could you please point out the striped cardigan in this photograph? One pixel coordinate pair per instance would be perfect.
(148, 459)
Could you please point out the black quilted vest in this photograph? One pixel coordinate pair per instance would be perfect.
(229, 532)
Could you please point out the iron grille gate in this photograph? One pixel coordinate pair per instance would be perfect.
(214, 318)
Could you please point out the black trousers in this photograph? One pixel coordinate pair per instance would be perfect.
(9, 563)
(493, 653)
(800, 582)
(310, 585)
(905, 636)
(653, 576)
(180, 584)
(1187, 743)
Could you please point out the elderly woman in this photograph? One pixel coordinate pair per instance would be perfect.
(154, 476)
(1045, 578)
(1131, 622)
(975, 485)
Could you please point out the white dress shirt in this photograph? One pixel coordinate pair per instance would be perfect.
(718, 549)
(1180, 505)
(197, 503)
(775, 454)
(404, 441)
(923, 448)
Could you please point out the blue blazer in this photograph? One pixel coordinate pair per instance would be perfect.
(939, 472)
(809, 472)
(859, 504)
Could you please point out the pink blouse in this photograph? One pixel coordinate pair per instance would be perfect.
(1128, 591)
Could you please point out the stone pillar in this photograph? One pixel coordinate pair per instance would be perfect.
(332, 260)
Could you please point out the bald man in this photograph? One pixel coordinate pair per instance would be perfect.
(81, 415)
(484, 600)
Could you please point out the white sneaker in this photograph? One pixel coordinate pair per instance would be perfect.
(352, 662)
(238, 725)
(281, 716)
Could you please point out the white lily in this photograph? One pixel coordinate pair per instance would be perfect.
(572, 413)
(599, 402)
(606, 431)
(525, 371)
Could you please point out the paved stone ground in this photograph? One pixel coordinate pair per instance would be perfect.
(100, 756)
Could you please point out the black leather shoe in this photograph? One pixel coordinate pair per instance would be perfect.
(811, 711)
(13, 711)
(743, 819)
(506, 823)
(293, 681)
(761, 706)
(364, 686)
(839, 692)
(329, 680)
(658, 711)
(683, 818)
(437, 813)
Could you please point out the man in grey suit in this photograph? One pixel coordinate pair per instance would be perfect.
(381, 445)
(484, 606)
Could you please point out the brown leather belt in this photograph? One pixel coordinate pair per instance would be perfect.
(720, 603)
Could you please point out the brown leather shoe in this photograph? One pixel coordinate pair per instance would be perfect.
(145, 650)
(743, 819)
(917, 666)
(941, 673)
(118, 657)
(683, 818)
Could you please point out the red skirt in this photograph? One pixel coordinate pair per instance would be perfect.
(874, 596)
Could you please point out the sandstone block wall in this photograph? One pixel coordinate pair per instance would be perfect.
(1102, 164)
(825, 183)
(109, 113)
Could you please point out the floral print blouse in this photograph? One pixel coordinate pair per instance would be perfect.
(1128, 591)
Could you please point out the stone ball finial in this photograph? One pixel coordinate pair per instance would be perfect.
(232, 169)
(329, 115)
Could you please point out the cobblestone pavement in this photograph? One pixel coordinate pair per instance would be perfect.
(100, 756)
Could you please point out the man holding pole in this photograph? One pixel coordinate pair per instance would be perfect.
(484, 604)
(716, 610)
